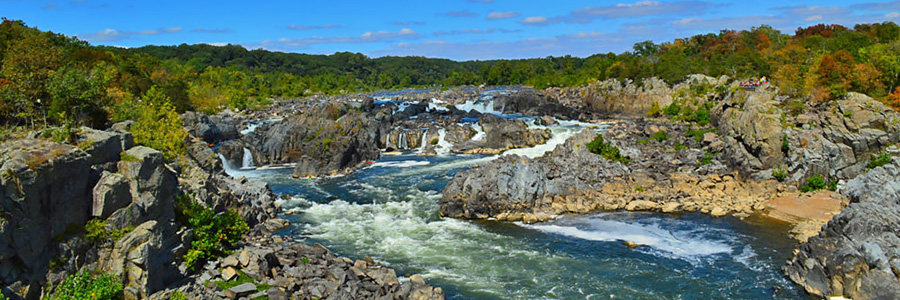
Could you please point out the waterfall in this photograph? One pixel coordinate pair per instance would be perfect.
(401, 140)
(423, 142)
(443, 146)
(230, 170)
(479, 132)
(248, 160)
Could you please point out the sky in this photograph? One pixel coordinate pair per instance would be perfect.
(454, 29)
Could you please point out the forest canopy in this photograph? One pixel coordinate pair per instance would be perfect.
(49, 78)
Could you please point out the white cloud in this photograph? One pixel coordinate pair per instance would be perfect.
(892, 15)
(311, 27)
(474, 31)
(111, 35)
(286, 44)
(502, 15)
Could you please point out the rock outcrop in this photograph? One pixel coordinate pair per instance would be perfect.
(857, 254)
(45, 193)
(213, 128)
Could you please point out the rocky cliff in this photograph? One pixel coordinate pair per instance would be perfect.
(857, 254)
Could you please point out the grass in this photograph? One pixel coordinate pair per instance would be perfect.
(697, 134)
(241, 279)
(707, 158)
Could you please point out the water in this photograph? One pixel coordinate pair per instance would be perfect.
(389, 211)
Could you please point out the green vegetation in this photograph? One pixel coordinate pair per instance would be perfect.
(679, 146)
(84, 286)
(660, 136)
(707, 158)
(95, 231)
(215, 234)
(605, 149)
(176, 295)
(157, 125)
(44, 75)
(816, 182)
(697, 134)
(639, 188)
(241, 279)
(879, 160)
(780, 173)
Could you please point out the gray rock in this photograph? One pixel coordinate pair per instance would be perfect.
(111, 193)
(44, 189)
(852, 255)
(240, 290)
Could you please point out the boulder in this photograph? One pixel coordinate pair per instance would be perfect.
(111, 193)
(241, 290)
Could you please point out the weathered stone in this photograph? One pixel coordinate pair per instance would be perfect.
(240, 290)
(111, 193)
(229, 273)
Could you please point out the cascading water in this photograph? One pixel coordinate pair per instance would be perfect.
(422, 143)
(401, 140)
(443, 146)
(247, 161)
(389, 211)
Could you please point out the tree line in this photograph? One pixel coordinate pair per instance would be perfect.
(49, 78)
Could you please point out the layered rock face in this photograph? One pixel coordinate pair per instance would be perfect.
(211, 128)
(327, 139)
(857, 254)
(834, 142)
(571, 179)
(41, 182)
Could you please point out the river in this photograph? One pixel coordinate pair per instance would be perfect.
(389, 211)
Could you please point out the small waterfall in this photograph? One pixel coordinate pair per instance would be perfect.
(423, 142)
(479, 132)
(443, 146)
(229, 169)
(401, 140)
(248, 160)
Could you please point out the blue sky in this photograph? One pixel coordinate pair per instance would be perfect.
(455, 29)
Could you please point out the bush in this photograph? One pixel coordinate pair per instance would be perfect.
(697, 134)
(879, 160)
(215, 234)
(605, 149)
(157, 125)
(654, 110)
(95, 231)
(813, 183)
(780, 173)
(707, 158)
(672, 109)
(84, 286)
(660, 136)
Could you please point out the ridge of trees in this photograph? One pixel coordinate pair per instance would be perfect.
(49, 78)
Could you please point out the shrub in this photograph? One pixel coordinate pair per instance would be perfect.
(654, 110)
(707, 158)
(701, 116)
(780, 173)
(660, 136)
(672, 109)
(879, 160)
(605, 149)
(813, 183)
(697, 134)
(679, 146)
(84, 286)
(95, 231)
(215, 234)
(157, 125)
(176, 295)
(785, 145)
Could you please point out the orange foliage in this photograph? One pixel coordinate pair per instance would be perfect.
(893, 100)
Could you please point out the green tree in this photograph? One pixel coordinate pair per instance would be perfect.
(157, 125)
